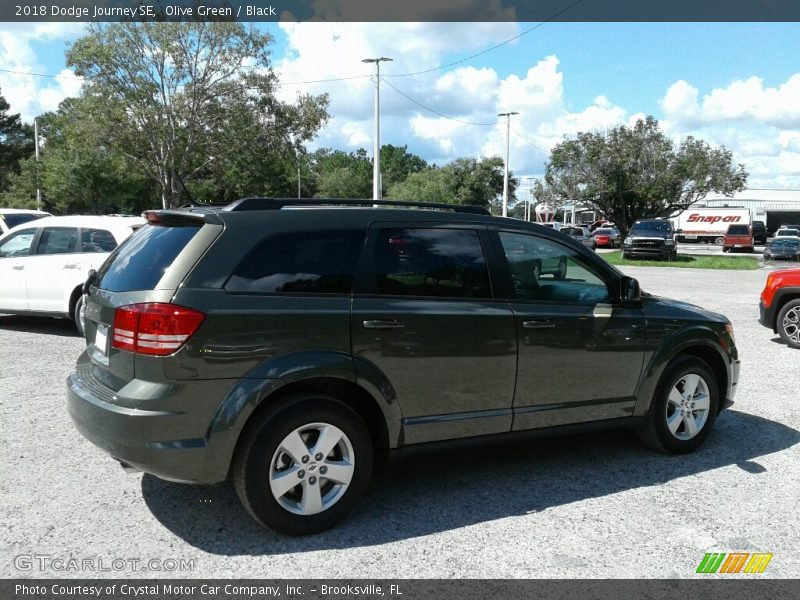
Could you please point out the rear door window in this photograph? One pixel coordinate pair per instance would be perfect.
(447, 263)
(305, 262)
(97, 240)
(140, 262)
(58, 240)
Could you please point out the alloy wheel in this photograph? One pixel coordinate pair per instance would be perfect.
(688, 406)
(312, 468)
(791, 324)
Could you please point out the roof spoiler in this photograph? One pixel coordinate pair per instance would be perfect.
(176, 217)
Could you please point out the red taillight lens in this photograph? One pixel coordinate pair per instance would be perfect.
(154, 328)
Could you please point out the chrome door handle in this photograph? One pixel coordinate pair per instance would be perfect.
(378, 324)
(539, 324)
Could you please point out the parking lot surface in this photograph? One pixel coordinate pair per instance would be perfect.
(595, 505)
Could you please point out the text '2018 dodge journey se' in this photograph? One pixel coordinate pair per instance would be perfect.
(290, 344)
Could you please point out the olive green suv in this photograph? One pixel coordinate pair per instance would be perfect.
(291, 345)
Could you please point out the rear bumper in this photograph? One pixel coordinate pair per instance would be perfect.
(139, 432)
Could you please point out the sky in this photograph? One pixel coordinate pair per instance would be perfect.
(732, 84)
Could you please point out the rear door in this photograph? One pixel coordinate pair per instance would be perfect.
(424, 315)
(580, 352)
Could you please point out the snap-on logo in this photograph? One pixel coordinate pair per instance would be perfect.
(698, 218)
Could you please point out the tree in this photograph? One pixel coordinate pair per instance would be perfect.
(631, 173)
(192, 100)
(397, 164)
(339, 174)
(16, 143)
(463, 181)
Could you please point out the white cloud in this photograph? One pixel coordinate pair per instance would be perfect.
(28, 94)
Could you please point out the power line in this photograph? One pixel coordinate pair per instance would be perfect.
(525, 139)
(436, 112)
(495, 47)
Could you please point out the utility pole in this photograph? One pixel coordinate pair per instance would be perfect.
(36, 145)
(507, 115)
(530, 197)
(376, 152)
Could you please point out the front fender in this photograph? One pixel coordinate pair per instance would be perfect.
(668, 348)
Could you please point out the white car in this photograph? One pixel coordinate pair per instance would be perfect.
(789, 233)
(11, 217)
(43, 263)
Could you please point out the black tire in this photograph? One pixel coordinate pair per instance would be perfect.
(77, 315)
(260, 445)
(788, 323)
(655, 432)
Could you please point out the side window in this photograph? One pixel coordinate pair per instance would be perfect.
(57, 240)
(315, 262)
(18, 244)
(544, 270)
(97, 240)
(446, 263)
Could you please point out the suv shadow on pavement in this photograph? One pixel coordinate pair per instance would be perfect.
(60, 327)
(431, 493)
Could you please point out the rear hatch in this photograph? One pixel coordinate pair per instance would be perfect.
(138, 281)
(739, 236)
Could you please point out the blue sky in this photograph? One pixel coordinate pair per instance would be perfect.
(732, 84)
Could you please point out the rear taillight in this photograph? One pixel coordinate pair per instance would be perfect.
(154, 328)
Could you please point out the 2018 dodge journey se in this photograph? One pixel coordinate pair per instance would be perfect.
(290, 344)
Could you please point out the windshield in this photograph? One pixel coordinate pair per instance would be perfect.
(652, 227)
(784, 243)
(787, 233)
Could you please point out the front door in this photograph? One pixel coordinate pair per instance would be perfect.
(425, 318)
(14, 260)
(580, 352)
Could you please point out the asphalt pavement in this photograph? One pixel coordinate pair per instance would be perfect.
(595, 505)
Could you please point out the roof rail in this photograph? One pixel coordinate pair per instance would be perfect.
(278, 203)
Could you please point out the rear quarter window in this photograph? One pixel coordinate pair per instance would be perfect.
(140, 262)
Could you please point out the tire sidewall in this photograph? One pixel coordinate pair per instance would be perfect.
(674, 373)
(252, 470)
(77, 315)
(779, 322)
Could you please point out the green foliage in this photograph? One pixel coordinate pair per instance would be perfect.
(463, 181)
(397, 164)
(636, 172)
(16, 144)
(195, 101)
(338, 174)
(736, 263)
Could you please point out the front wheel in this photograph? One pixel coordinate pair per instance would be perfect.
(684, 407)
(788, 323)
(78, 314)
(303, 470)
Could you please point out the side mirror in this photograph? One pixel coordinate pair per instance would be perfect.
(630, 292)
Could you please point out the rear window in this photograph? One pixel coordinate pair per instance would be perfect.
(140, 261)
(738, 230)
(305, 262)
(14, 219)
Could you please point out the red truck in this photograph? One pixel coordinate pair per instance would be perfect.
(738, 237)
(779, 308)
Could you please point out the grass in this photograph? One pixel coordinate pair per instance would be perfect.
(738, 263)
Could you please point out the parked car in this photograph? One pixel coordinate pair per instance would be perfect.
(759, 233)
(552, 225)
(607, 237)
(650, 238)
(783, 248)
(43, 263)
(738, 237)
(787, 233)
(779, 306)
(292, 349)
(11, 217)
(580, 234)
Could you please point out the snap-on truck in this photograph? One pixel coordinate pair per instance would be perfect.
(709, 224)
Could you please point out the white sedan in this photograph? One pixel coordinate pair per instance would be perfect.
(43, 263)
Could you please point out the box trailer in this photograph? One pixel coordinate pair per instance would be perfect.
(709, 224)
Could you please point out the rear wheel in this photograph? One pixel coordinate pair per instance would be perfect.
(303, 469)
(719, 241)
(684, 407)
(788, 323)
(78, 313)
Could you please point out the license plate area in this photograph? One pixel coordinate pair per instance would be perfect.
(101, 339)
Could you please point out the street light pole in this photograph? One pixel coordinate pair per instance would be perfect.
(36, 145)
(507, 115)
(376, 152)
